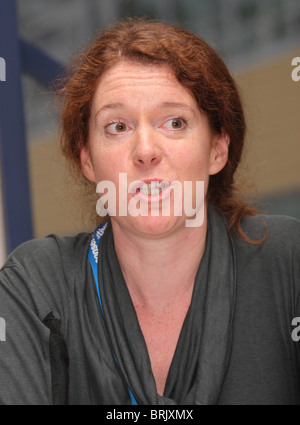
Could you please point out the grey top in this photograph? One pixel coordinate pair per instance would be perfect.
(56, 349)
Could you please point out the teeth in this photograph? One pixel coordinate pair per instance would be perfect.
(153, 188)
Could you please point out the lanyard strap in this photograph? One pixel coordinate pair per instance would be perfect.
(93, 255)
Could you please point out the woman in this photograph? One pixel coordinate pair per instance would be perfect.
(150, 309)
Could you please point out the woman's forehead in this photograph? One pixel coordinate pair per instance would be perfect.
(129, 83)
(133, 74)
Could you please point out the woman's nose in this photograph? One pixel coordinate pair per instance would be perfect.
(147, 150)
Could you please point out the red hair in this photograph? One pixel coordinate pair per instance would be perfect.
(196, 66)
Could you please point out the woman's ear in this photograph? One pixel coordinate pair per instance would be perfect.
(86, 164)
(219, 153)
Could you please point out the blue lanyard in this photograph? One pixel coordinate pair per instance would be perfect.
(93, 257)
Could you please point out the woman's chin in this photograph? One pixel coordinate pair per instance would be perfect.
(154, 226)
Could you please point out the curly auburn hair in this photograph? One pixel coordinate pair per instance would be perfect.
(196, 66)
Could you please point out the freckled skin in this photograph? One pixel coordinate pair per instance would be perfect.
(145, 124)
(149, 143)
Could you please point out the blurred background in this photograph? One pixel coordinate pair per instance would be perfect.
(258, 41)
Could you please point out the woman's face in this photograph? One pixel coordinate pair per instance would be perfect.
(144, 123)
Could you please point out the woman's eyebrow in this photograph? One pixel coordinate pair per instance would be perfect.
(176, 105)
(115, 105)
(162, 105)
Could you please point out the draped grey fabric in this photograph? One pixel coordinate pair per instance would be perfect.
(199, 364)
(48, 299)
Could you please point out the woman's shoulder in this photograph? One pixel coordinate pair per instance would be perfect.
(41, 273)
(49, 251)
(47, 264)
(272, 249)
(275, 230)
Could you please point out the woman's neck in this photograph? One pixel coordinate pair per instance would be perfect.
(159, 270)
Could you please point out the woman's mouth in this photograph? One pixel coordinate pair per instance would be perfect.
(153, 188)
(153, 191)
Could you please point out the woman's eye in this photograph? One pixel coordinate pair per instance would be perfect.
(116, 127)
(175, 123)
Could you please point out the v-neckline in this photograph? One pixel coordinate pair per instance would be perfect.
(201, 356)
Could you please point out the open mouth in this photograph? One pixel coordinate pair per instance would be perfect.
(153, 188)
